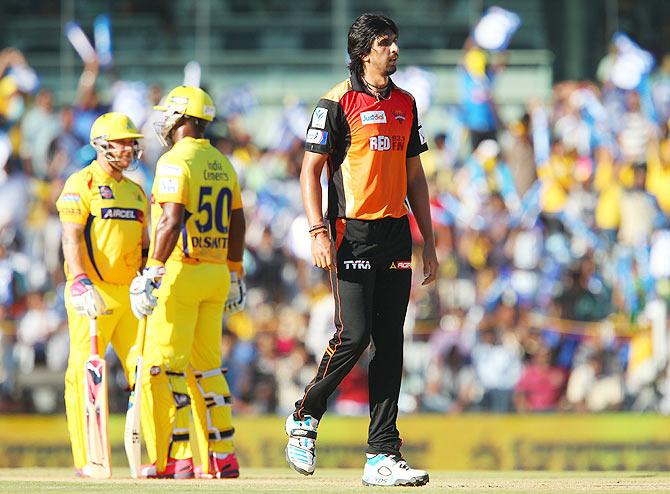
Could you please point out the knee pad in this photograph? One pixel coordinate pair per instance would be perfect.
(177, 383)
(214, 398)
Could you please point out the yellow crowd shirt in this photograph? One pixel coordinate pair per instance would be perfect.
(113, 214)
(194, 173)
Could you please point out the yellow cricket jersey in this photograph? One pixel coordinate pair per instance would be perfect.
(113, 214)
(194, 173)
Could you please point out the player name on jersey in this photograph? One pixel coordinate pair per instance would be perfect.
(210, 242)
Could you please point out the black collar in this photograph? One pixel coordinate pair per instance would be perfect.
(359, 85)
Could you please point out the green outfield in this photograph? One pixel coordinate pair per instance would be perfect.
(31, 480)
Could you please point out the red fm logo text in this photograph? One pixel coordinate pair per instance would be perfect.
(385, 143)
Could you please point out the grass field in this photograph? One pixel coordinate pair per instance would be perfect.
(29, 480)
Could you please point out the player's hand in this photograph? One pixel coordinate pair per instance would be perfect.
(237, 295)
(85, 299)
(430, 263)
(142, 299)
(323, 251)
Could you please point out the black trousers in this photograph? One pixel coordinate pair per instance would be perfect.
(371, 290)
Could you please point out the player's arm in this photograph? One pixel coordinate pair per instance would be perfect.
(237, 229)
(237, 293)
(168, 230)
(310, 186)
(417, 194)
(145, 245)
(85, 299)
(74, 209)
(72, 236)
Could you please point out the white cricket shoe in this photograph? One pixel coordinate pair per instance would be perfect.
(300, 450)
(388, 470)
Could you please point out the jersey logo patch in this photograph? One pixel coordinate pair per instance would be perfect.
(168, 185)
(121, 214)
(401, 265)
(399, 115)
(70, 196)
(373, 117)
(106, 192)
(319, 117)
(172, 170)
(317, 136)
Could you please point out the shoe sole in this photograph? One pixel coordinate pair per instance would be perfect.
(294, 466)
(175, 476)
(232, 474)
(413, 482)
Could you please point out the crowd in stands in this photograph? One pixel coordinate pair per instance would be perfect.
(552, 230)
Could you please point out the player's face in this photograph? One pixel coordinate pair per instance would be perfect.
(123, 151)
(384, 54)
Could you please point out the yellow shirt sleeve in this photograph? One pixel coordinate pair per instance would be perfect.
(237, 196)
(172, 181)
(74, 202)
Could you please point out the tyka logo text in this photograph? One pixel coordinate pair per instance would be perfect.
(357, 264)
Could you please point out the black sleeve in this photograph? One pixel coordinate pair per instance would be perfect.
(417, 138)
(326, 127)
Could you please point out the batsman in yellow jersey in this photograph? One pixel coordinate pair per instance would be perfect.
(105, 236)
(195, 268)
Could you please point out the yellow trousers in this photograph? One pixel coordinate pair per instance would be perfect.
(182, 360)
(118, 327)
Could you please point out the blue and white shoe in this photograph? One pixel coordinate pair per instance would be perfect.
(300, 450)
(391, 470)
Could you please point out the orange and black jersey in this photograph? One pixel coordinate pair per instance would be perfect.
(368, 141)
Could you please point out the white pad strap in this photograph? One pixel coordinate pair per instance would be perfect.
(212, 399)
(207, 373)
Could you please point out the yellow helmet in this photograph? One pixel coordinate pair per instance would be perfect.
(114, 126)
(189, 100)
(183, 101)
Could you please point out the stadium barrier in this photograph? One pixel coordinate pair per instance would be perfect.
(467, 442)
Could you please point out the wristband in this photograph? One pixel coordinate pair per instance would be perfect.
(316, 227)
(145, 252)
(153, 262)
(235, 267)
(316, 233)
(80, 276)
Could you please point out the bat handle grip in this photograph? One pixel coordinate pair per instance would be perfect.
(93, 330)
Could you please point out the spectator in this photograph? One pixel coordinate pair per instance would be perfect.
(590, 389)
(451, 384)
(497, 365)
(38, 128)
(476, 86)
(541, 384)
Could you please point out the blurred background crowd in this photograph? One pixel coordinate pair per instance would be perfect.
(552, 226)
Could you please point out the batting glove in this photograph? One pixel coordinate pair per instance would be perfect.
(142, 299)
(85, 299)
(237, 296)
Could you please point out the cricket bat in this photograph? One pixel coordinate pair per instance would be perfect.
(131, 436)
(97, 411)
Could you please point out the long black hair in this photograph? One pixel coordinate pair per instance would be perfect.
(362, 33)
